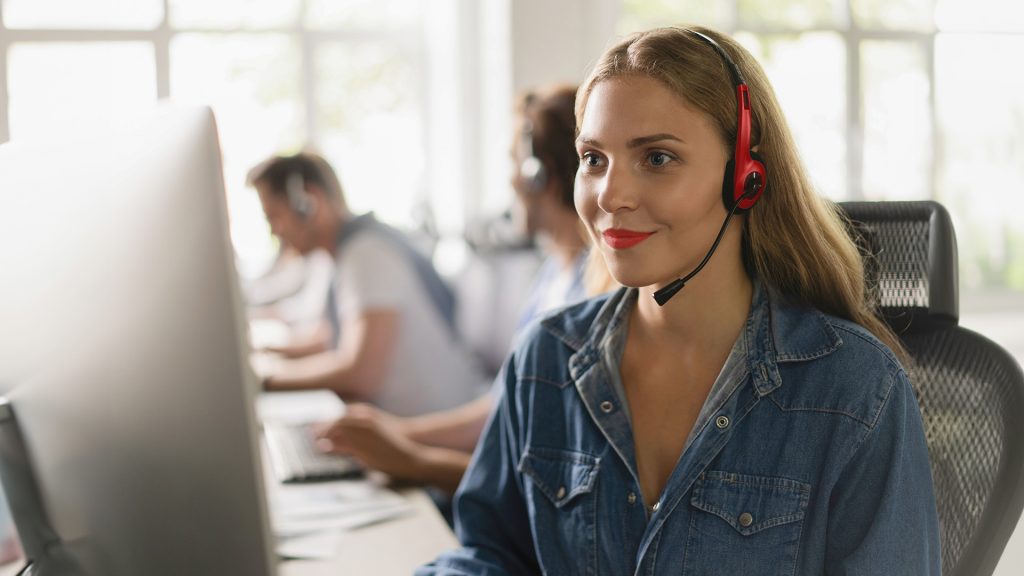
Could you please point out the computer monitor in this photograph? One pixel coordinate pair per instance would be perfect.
(123, 356)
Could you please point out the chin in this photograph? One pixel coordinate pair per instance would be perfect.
(304, 249)
(633, 276)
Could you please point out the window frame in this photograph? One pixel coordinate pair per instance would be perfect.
(412, 42)
(853, 36)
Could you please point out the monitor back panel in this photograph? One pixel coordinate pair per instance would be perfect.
(122, 348)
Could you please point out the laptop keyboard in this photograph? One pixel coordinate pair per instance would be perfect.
(294, 456)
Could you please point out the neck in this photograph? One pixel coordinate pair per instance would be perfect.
(712, 307)
(327, 237)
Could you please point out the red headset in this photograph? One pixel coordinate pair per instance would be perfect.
(745, 175)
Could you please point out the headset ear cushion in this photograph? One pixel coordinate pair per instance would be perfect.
(728, 192)
(540, 181)
(534, 174)
(532, 171)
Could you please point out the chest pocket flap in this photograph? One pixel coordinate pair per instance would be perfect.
(750, 504)
(561, 475)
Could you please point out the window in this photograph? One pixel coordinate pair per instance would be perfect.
(899, 100)
(345, 76)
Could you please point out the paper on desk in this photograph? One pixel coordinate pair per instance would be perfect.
(292, 527)
(315, 546)
(306, 508)
(329, 499)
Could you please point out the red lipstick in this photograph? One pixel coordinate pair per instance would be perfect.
(621, 239)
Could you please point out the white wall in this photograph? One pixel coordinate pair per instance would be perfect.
(525, 44)
(558, 41)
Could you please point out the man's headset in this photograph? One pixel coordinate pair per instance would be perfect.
(298, 197)
(532, 172)
(745, 175)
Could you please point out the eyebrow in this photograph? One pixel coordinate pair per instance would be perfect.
(635, 142)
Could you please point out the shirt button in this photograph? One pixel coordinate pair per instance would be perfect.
(722, 422)
(607, 407)
(746, 519)
(631, 497)
(561, 493)
(656, 506)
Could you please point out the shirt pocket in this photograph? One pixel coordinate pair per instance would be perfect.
(745, 523)
(559, 492)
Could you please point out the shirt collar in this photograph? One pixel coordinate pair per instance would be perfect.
(778, 330)
(352, 225)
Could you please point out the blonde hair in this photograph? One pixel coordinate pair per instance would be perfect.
(795, 241)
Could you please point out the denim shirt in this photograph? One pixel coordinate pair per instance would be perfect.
(809, 458)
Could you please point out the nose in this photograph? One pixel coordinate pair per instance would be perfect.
(616, 190)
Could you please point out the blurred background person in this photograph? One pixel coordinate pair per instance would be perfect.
(392, 342)
(287, 305)
(435, 449)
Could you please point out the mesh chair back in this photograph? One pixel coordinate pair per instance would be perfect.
(970, 390)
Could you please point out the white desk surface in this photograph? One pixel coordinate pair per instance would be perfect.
(395, 547)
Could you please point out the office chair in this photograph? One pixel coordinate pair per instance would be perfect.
(970, 390)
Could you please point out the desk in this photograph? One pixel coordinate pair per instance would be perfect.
(395, 547)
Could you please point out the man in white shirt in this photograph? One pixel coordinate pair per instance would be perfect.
(392, 316)
(435, 449)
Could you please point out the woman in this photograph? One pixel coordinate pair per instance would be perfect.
(758, 421)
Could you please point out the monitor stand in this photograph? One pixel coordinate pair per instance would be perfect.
(45, 554)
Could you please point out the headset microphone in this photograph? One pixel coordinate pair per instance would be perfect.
(665, 294)
(745, 175)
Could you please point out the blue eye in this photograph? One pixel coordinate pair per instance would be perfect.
(658, 159)
(590, 160)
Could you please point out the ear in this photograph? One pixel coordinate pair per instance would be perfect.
(317, 197)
